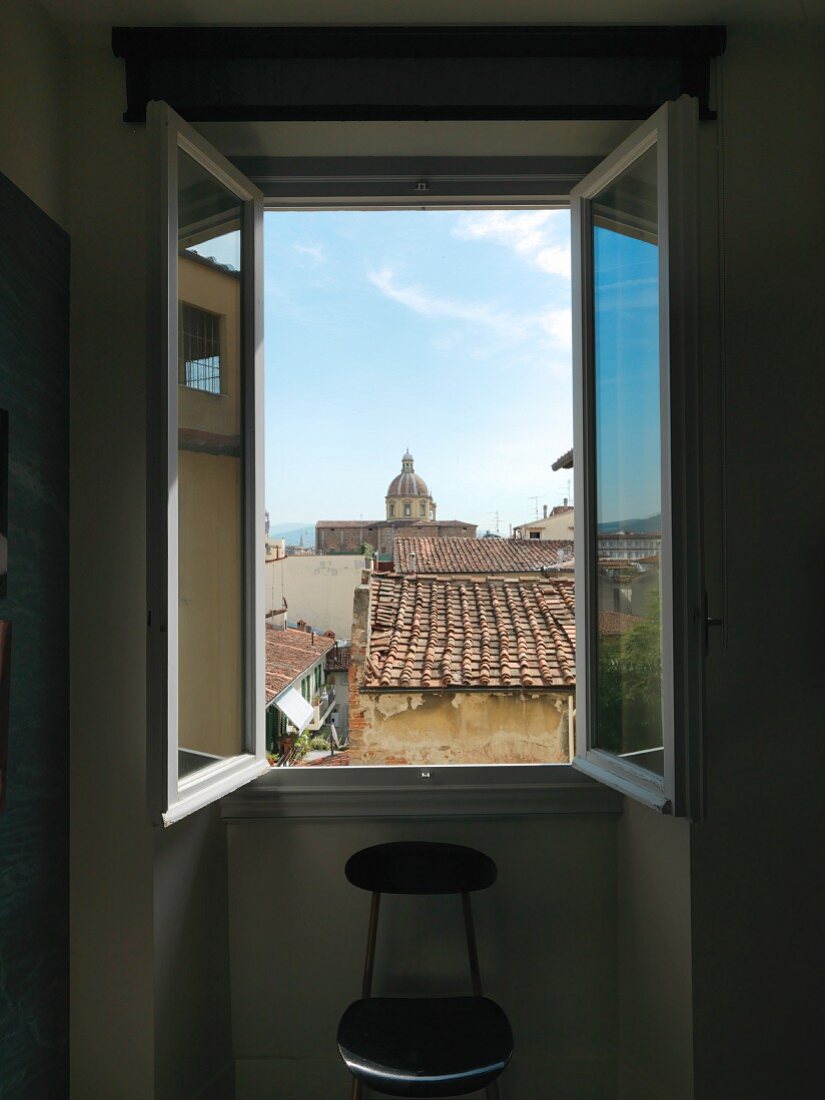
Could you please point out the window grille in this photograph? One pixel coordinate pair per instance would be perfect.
(199, 353)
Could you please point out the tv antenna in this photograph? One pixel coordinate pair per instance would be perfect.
(535, 501)
(496, 518)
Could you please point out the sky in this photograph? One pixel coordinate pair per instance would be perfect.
(447, 332)
(626, 301)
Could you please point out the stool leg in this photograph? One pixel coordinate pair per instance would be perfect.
(355, 1094)
(492, 1091)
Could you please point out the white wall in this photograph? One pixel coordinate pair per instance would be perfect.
(546, 940)
(149, 990)
(112, 928)
(318, 588)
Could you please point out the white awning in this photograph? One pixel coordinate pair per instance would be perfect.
(296, 708)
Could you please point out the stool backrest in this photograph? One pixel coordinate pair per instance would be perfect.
(420, 867)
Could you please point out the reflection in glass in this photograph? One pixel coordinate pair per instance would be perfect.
(628, 466)
(210, 434)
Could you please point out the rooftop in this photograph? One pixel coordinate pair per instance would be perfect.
(564, 462)
(289, 653)
(461, 555)
(612, 624)
(448, 633)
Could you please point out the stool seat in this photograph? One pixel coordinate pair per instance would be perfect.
(425, 1046)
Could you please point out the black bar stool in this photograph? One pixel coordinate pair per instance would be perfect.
(423, 1046)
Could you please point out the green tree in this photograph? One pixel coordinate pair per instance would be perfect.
(629, 687)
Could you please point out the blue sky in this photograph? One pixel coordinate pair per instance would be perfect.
(628, 479)
(446, 332)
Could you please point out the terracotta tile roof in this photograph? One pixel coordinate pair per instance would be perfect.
(493, 633)
(460, 555)
(289, 653)
(564, 462)
(614, 623)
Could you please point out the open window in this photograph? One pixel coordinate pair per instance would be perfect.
(639, 614)
(635, 328)
(206, 524)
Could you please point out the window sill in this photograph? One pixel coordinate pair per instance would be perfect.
(416, 792)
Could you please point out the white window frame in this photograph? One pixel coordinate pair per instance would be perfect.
(439, 790)
(171, 798)
(673, 131)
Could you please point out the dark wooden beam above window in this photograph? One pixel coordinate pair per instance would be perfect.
(415, 73)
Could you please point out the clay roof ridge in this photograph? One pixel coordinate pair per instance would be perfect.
(396, 616)
(428, 671)
(515, 603)
(539, 637)
(501, 631)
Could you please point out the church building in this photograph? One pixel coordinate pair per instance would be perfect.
(409, 510)
(408, 496)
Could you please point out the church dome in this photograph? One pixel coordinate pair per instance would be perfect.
(408, 483)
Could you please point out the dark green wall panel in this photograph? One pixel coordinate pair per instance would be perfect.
(34, 848)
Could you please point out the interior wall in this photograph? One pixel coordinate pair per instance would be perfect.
(34, 380)
(34, 61)
(34, 889)
(546, 941)
(756, 860)
(112, 1040)
(149, 988)
(654, 936)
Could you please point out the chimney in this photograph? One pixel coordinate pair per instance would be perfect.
(413, 562)
(545, 510)
(565, 502)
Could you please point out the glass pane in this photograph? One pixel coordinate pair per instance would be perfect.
(628, 719)
(210, 438)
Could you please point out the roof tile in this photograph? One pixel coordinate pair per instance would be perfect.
(461, 555)
(453, 632)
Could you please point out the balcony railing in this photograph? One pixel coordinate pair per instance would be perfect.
(338, 658)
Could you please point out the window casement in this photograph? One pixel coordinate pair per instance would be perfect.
(638, 458)
(205, 610)
(636, 207)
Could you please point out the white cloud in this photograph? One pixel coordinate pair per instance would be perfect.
(540, 237)
(314, 251)
(508, 326)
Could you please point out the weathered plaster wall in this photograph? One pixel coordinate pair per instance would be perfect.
(455, 727)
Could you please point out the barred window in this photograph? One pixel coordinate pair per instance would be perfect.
(199, 349)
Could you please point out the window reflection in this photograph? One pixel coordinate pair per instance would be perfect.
(210, 428)
(628, 466)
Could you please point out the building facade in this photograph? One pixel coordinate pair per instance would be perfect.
(452, 670)
(409, 510)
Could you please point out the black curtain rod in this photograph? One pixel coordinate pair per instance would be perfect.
(148, 43)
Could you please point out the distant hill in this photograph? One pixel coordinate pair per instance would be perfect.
(292, 532)
(653, 525)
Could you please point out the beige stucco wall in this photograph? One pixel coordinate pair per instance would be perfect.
(318, 589)
(209, 599)
(553, 527)
(217, 292)
(461, 728)
(209, 500)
